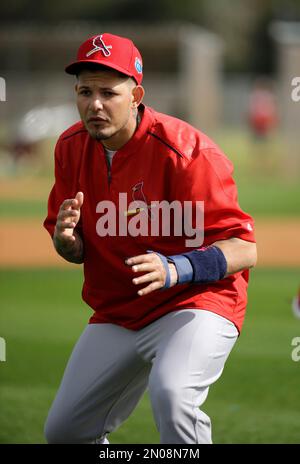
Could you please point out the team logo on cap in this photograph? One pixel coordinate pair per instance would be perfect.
(100, 45)
(138, 65)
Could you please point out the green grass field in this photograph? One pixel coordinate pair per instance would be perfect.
(255, 401)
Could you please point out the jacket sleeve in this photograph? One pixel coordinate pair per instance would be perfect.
(208, 178)
(64, 188)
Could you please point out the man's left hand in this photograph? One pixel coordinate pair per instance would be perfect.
(155, 273)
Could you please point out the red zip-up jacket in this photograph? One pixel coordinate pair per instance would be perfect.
(171, 160)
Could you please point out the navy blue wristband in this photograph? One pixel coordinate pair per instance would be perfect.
(209, 265)
(196, 266)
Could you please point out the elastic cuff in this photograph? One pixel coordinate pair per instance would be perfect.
(184, 268)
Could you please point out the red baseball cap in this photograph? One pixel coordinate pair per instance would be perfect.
(112, 51)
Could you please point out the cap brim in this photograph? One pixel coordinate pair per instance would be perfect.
(74, 68)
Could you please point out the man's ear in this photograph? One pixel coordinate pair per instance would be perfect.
(138, 93)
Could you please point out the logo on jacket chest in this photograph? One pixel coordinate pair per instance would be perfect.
(136, 215)
(140, 201)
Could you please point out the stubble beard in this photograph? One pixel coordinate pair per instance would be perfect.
(99, 135)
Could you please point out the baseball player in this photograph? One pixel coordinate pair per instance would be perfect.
(167, 310)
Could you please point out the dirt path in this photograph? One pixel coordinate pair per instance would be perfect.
(25, 243)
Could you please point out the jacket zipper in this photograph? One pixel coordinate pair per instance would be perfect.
(109, 176)
(108, 173)
(109, 169)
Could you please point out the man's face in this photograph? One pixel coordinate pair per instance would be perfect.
(105, 101)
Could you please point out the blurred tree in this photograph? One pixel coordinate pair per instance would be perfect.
(288, 10)
(106, 10)
(53, 11)
(243, 24)
(262, 55)
(162, 10)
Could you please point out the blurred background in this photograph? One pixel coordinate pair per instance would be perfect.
(227, 68)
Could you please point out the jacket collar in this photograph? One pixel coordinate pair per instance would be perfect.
(140, 135)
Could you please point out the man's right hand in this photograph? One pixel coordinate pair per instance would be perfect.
(67, 219)
(66, 241)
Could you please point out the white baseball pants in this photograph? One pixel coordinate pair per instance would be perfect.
(177, 357)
